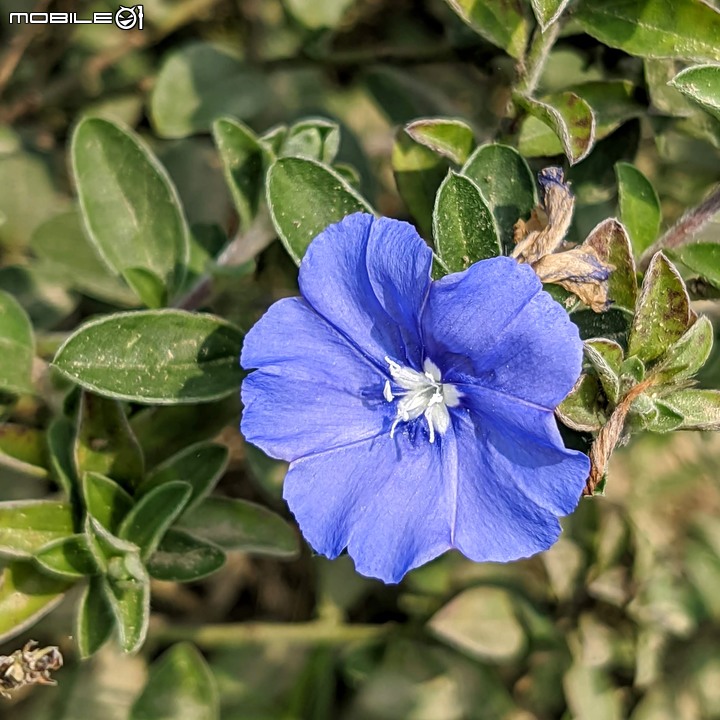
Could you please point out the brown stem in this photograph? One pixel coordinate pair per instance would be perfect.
(685, 228)
(609, 436)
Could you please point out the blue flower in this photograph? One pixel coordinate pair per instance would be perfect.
(417, 416)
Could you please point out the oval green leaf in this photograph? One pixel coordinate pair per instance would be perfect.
(95, 620)
(639, 206)
(160, 356)
(702, 258)
(548, 11)
(180, 557)
(451, 138)
(69, 558)
(463, 225)
(28, 525)
(240, 525)
(130, 209)
(105, 500)
(180, 687)
(701, 84)
(130, 602)
(17, 347)
(305, 197)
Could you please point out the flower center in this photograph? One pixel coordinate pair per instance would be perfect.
(421, 393)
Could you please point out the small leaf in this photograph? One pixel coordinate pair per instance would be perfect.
(304, 198)
(243, 159)
(548, 11)
(180, 687)
(316, 15)
(666, 419)
(148, 521)
(701, 84)
(95, 620)
(180, 557)
(200, 82)
(26, 595)
(663, 311)
(17, 347)
(105, 443)
(61, 244)
(240, 525)
(622, 284)
(60, 440)
(130, 208)
(582, 409)
(654, 28)
(28, 525)
(684, 358)
(463, 225)
(481, 622)
(105, 500)
(419, 173)
(111, 554)
(312, 138)
(500, 22)
(571, 119)
(700, 409)
(451, 138)
(506, 183)
(69, 558)
(639, 206)
(23, 443)
(200, 465)
(606, 358)
(162, 356)
(130, 602)
(702, 258)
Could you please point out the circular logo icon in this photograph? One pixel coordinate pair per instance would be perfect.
(126, 18)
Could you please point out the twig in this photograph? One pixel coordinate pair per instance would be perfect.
(18, 46)
(531, 67)
(606, 440)
(685, 228)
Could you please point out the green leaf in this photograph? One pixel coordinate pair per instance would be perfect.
(69, 558)
(28, 525)
(180, 687)
(240, 525)
(130, 602)
(130, 208)
(481, 622)
(419, 172)
(25, 596)
(500, 22)
(317, 14)
(663, 311)
(700, 409)
(622, 284)
(583, 409)
(506, 183)
(200, 82)
(243, 159)
(62, 246)
(200, 465)
(689, 353)
(548, 11)
(106, 444)
(312, 138)
(115, 557)
(154, 513)
(161, 356)
(654, 28)
(701, 84)
(665, 419)
(60, 440)
(570, 117)
(451, 138)
(606, 358)
(463, 225)
(105, 500)
(23, 443)
(304, 198)
(95, 621)
(17, 347)
(702, 258)
(180, 557)
(639, 206)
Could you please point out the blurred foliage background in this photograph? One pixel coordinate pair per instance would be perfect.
(621, 619)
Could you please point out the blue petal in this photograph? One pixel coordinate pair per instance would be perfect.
(494, 326)
(528, 439)
(369, 278)
(313, 391)
(495, 520)
(387, 500)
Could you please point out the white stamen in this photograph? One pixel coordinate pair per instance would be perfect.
(425, 394)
